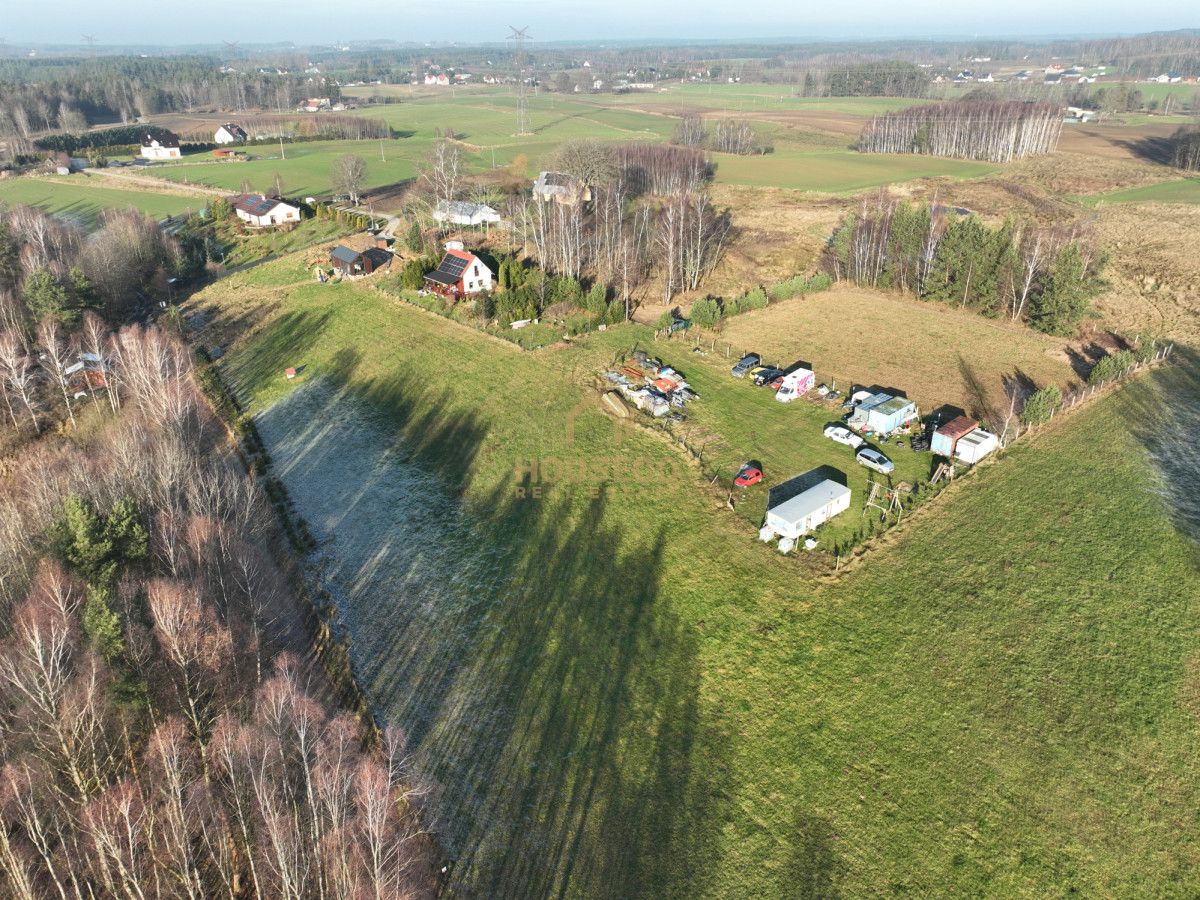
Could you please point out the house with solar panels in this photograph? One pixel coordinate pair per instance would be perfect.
(261, 211)
(460, 273)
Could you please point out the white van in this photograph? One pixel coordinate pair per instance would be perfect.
(795, 384)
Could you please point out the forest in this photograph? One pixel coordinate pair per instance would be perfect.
(995, 131)
(1020, 270)
(164, 731)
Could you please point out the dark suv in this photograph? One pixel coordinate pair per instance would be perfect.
(745, 364)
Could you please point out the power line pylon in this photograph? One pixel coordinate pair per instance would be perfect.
(518, 36)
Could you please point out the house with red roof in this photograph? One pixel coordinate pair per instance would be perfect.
(460, 273)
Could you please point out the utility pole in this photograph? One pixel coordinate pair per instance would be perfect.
(518, 36)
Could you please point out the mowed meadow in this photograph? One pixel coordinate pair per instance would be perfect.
(613, 689)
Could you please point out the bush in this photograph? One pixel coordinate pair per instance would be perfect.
(666, 320)
(755, 299)
(706, 312)
(1110, 367)
(1040, 405)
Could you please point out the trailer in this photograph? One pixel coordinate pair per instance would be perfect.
(882, 414)
(795, 384)
(797, 516)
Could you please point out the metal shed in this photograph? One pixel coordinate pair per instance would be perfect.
(883, 413)
(973, 447)
(947, 436)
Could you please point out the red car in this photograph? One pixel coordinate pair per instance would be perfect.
(748, 475)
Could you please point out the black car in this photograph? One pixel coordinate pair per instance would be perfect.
(745, 364)
(767, 375)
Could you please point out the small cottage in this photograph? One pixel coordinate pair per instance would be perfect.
(351, 263)
(882, 413)
(261, 211)
(561, 188)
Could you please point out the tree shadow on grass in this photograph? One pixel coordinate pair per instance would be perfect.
(549, 691)
(1166, 422)
(285, 343)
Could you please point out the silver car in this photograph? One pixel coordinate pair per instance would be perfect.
(873, 459)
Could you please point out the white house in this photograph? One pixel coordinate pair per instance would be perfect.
(460, 212)
(260, 211)
(442, 80)
(165, 147)
(229, 134)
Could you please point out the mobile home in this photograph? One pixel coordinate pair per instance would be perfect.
(797, 516)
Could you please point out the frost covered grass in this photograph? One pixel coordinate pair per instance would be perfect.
(620, 692)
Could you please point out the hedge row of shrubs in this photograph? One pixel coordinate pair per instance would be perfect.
(709, 311)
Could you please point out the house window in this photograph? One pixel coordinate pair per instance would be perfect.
(476, 271)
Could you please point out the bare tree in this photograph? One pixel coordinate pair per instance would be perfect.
(442, 172)
(349, 172)
(56, 358)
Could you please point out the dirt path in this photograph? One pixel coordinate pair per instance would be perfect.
(160, 185)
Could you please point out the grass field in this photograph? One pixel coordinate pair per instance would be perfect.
(806, 157)
(1183, 190)
(618, 691)
(935, 354)
(73, 198)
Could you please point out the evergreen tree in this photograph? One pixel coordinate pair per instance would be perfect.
(1063, 300)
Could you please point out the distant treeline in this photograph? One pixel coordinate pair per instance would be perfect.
(122, 136)
(996, 131)
(1019, 271)
(887, 78)
(726, 136)
(38, 96)
(323, 126)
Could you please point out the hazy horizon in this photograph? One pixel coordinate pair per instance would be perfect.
(303, 22)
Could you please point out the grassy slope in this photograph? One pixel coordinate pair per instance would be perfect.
(1001, 701)
(1184, 190)
(74, 198)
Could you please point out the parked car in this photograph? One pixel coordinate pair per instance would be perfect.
(873, 459)
(745, 364)
(843, 435)
(766, 374)
(748, 475)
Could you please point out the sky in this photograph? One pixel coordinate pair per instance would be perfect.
(318, 22)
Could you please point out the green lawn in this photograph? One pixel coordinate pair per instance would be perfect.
(74, 198)
(616, 690)
(838, 171)
(1183, 190)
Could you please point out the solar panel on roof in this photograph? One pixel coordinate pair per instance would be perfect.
(453, 265)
